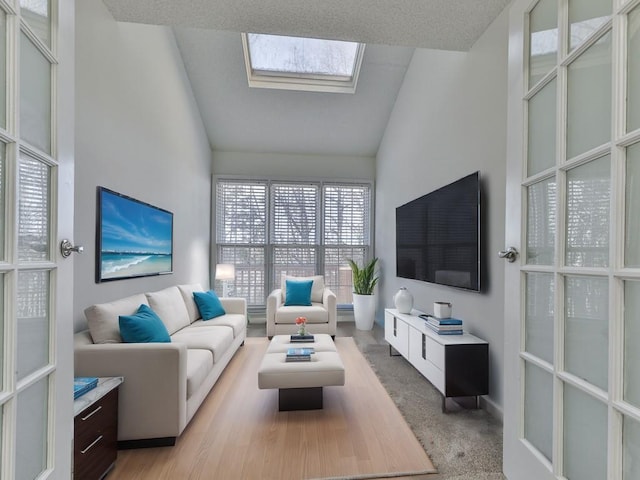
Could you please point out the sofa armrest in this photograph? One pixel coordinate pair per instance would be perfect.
(274, 301)
(234, 305)
(329, 301)
(153, 398)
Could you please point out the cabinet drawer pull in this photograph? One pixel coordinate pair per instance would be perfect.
(91, 446)
(95, 411)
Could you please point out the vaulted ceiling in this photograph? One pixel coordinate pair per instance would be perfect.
(239, 118)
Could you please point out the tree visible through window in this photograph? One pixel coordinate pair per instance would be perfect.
(270, 228)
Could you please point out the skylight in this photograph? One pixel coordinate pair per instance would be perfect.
(297, 63)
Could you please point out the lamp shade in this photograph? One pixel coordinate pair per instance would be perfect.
(225, 271)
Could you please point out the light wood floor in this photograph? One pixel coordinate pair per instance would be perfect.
(238, 432)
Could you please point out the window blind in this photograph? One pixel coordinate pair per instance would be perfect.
(268, 228)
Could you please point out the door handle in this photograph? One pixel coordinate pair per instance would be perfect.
(510, 254)
(67, 248)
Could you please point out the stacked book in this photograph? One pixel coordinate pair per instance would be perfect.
(302, 338)
(299, 354)
(444, 326)
(82, 385)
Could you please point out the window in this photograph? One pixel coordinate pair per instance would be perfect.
(268, 228)
(297, 63)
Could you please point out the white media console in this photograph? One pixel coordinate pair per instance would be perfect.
(457, 365)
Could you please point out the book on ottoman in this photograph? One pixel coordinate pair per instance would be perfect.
(299, 354)
(302, 338)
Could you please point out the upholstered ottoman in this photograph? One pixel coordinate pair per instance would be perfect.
(300, 384)
(281, 343)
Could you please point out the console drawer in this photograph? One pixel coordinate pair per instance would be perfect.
(434, 352)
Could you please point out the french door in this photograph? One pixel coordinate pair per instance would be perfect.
(572, 404)
(36, 208)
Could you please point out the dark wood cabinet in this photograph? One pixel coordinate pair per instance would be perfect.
(96, 436)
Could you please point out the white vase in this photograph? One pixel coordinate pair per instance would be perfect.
(403, 300)
(364, 311)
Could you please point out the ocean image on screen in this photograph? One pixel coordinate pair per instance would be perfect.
(136, 238)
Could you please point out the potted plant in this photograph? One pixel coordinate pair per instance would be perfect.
(364, 301)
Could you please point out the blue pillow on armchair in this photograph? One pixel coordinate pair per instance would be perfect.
(298, 292)
(144, 326)
(209, 305)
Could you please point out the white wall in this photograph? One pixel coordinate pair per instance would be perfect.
(138, 132)
(450, 120)
(283, 165)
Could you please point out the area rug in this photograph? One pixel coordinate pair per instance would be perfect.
(238, 432)
(463, 444)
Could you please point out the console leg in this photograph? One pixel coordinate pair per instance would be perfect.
(444, 404)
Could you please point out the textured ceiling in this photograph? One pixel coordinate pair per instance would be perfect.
(440, 24)
(239, 118)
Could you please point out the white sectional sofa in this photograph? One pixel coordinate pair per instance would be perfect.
(164, 383)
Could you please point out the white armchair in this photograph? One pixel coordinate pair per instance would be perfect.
(321, 316)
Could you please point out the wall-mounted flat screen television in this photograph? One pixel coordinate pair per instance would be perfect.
(438, 236)
(133, 238)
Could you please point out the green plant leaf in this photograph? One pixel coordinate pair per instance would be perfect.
(365, 278)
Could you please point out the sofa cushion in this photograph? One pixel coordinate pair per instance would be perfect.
(208, 304)
(316, 313)
(189, 302)
(236, 321)
(199, 364)
(103, 318)
(170, 307)
(317, 290)
(298, 293)
(143, 327)
(216, 339)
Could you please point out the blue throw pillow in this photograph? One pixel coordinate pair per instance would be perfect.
(298, 293)
(143, 327)
(208, 304)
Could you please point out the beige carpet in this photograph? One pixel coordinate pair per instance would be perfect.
(238, 433)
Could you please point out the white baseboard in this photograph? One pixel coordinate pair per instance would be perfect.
(492, 408)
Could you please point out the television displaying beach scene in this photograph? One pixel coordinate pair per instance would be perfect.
(134, 239)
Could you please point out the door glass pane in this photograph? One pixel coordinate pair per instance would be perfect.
(632, 196)
(3, 69)
(31, 432)
(585, 17)
(588, 114)
(33, 322)
(35, 96)
(541, 144)
(631, 385)
(541, 222)
(3, 188)
(539, 315)
(538, 408)
(630, 449)
(543, 39)
(2, 326)
(586, 330)
(588, 192)
(585, 436)
(33, 215)
(633, 71)
(37, 14)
